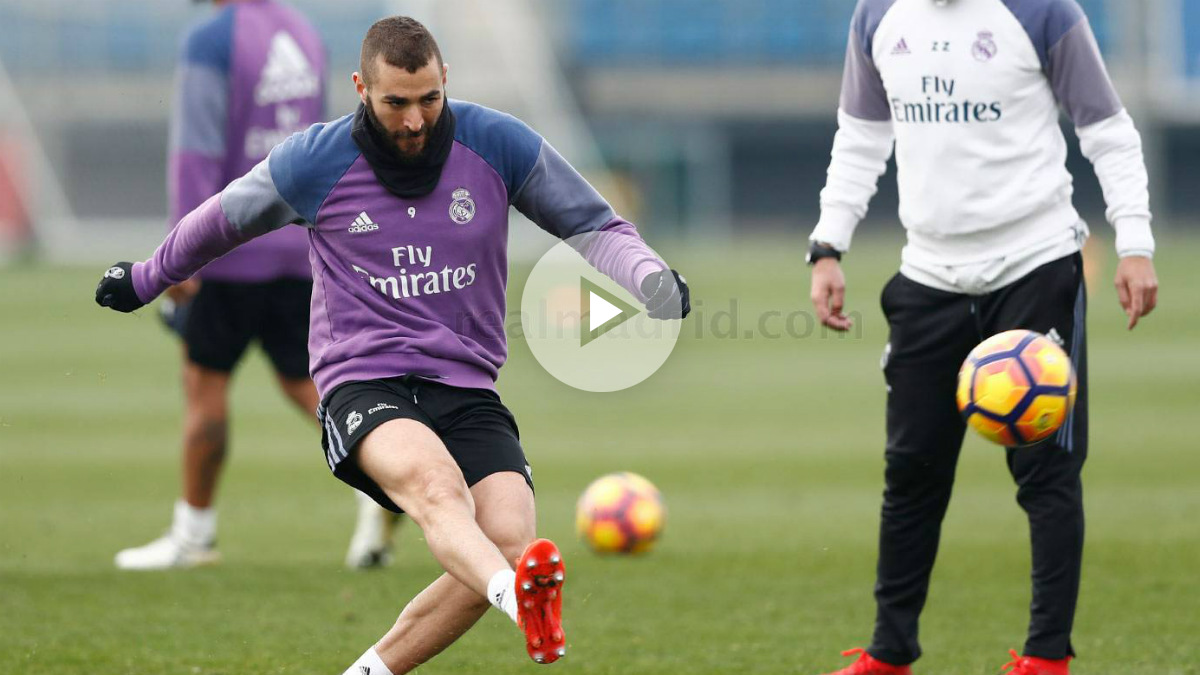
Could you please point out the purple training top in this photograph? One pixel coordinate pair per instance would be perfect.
(249, 77)
(406, 286)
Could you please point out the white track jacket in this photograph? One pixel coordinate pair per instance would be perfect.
(969, 95)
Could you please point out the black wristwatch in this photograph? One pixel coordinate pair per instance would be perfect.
(817, 251)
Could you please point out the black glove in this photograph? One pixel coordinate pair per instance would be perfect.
(667, 295)
(115, 290)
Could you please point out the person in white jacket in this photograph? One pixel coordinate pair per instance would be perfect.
(969, 93)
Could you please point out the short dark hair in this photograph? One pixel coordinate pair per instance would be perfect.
(404, 43)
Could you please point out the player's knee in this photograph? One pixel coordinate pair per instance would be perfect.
(210, 432)
(513, 541)
(906, 472)
(1056, 500)
(440, 490)
(512, 533)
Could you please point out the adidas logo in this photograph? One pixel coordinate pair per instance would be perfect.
(362, 224)
(1055, 337)
(288, 74)
(901, 48)
(364, 670)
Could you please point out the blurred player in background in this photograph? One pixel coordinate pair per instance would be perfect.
(249, 76)
(406, 206)
(969, 93)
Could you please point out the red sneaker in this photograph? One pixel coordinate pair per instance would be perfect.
(1032, 665)
(540, 576)
(869, 665)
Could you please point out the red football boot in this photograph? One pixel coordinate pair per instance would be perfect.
(869, 665)
(540, 576)
(1032, 665)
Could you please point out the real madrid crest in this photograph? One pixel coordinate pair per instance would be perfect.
(985, 48)
(462, 207)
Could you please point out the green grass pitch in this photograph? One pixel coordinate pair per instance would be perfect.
(768, 451)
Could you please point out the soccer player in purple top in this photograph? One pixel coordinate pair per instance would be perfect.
(405, 205)
(249, 76)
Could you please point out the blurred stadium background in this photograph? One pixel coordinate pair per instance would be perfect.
(710, 117)
(710, 123)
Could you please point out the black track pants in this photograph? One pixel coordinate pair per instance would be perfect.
(931, 334)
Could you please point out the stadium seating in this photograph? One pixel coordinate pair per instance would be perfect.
(138, 35)
(756, 32)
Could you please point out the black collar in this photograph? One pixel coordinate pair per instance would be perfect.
(408, 180)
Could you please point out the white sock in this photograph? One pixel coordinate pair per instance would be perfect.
(368, 664)
(196, 526)
(502, 593)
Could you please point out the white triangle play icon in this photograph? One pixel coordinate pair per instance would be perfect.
(601, 311)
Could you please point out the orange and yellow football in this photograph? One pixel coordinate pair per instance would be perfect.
(620, 513)
(1016, 388)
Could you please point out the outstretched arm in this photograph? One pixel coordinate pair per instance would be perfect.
(861, 148)
(250, 207)
(1109, 139)
(560, 201)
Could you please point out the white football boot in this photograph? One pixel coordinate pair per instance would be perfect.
(371, 545)
(191, 542)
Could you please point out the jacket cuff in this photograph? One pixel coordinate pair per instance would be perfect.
(835, 228)
(144, 285)
(1134, 237)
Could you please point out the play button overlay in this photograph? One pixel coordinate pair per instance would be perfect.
(584, 328)
(602, 311)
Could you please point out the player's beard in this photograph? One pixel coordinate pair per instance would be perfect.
(392, 139)
(406, 175)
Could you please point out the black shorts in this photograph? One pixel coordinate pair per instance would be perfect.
(478, 430)
(225, 317)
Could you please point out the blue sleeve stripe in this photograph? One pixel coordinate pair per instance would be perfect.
(506, 143)
(210, 43)
(867, 17)
(307, 166)
(199, 113)
(1046, 22)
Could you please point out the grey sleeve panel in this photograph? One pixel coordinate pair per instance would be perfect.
(1045, 22)
(200, 111)
(863, 93)
(868, 14)
(253, 206)
(1079, 79)
(559, 200)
